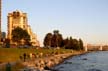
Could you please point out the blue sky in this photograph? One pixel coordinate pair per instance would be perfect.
(85, 19)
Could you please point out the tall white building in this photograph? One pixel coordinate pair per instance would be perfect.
(19, 19)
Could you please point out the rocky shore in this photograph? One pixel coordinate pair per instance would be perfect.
(46, 63)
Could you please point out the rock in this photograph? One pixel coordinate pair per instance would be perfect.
(94, 70)
(49, 64)
(47, 68)
(84, 59)
(67, 62)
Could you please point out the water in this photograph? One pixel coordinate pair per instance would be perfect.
(94, 61)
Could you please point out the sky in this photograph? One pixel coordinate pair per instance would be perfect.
(85, 19)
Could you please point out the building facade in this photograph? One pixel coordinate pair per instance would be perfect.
(19, 19)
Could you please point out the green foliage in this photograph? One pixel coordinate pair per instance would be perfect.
(7, 43)
(81, 44)
(19, 34)
(53, 40)
(47, 40)
(56, 40)
(74, 44)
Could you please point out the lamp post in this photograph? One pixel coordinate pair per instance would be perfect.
(0, 20)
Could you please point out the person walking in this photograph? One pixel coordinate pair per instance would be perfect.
(8, 67)
(24, 56)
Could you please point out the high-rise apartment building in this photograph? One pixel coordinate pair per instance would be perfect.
(19, 19)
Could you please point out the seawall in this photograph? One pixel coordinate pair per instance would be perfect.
(48, 62)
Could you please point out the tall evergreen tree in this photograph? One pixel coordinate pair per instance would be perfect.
(47, 40)
(81, 44)
(54, 42)
(75, 44)
(60, 40)
(56, 39)
(65, 42)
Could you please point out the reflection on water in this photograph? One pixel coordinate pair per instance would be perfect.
(95, 61)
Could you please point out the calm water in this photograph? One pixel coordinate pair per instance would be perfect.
(94, 61)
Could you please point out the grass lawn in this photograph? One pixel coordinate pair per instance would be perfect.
(13, 54)
(15, 67)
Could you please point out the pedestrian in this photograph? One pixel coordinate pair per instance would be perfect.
(21, 58)
(30, 55)
(8, 67)
(24, 56)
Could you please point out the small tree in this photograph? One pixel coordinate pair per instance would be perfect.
(7, 43)
(18, 34)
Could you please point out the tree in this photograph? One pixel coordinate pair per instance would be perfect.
(47, 40)
(81, 44)
(54, 42)
(75, 44)
(26, 36)
(7, 43)
(60, 40)
(65, 42)
(71, 43)
(56, 39)
(19, 34)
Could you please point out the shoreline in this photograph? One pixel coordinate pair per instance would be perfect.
(82, 53)
(48, 63)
